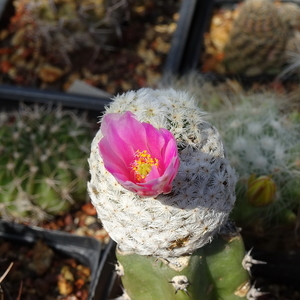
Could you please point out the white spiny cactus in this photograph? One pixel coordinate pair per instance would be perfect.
(262, 139)
(203, 190)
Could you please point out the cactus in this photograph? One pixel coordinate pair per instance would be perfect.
(158, 234)
(290, 13)
(261, 132)
(43, 168)
(203, 274)
(292, 55)
(58, 26)
(263, 143)
(257, 39)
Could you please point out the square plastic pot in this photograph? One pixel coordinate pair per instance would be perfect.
(6, 10)
(87, 250)
(11, 95)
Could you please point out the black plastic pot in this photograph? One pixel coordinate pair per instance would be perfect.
(86, 250)
(188, 42)
(6, 10)
(11, 95)
(188, 38)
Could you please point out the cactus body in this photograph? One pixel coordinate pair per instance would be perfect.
(43, 160)
(62, 27)
(211, 272)
(168, 245)
(203, 190)
(257, 40)
(263, 144)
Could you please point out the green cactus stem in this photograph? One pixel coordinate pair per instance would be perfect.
(212, 272)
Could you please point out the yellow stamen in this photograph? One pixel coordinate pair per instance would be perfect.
(143, 163)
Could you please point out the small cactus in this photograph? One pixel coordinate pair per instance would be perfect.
(263, 146)
(43, 166)
(65, 26)
(261, 132)
(167, 243)
(257, 39)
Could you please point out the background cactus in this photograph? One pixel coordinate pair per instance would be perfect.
(257, 39)
(43, 167)
(263, 143)
(261, 37)
(261, 132)
(170, 228)
(59, 26)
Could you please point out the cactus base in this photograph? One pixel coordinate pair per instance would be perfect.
(212, 272)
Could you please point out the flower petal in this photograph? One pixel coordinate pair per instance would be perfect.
(142, 158)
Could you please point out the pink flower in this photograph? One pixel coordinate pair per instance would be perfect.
(142, 158)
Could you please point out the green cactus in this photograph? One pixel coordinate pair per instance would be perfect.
(211, 272)
(157, 235)
(43, 165)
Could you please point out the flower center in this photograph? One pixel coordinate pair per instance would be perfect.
(143, 163)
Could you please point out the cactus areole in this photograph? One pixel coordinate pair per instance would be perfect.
(159, 179)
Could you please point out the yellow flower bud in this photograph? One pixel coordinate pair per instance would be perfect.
(261, 191)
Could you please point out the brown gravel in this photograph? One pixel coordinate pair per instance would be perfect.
(135, 59)
(38, 272)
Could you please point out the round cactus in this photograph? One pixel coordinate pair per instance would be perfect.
(203, 190)
(43, 165)
(263, 147)
(257, 39)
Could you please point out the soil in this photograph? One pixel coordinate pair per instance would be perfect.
(82, 221)
(131, 59)
(38, 272)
